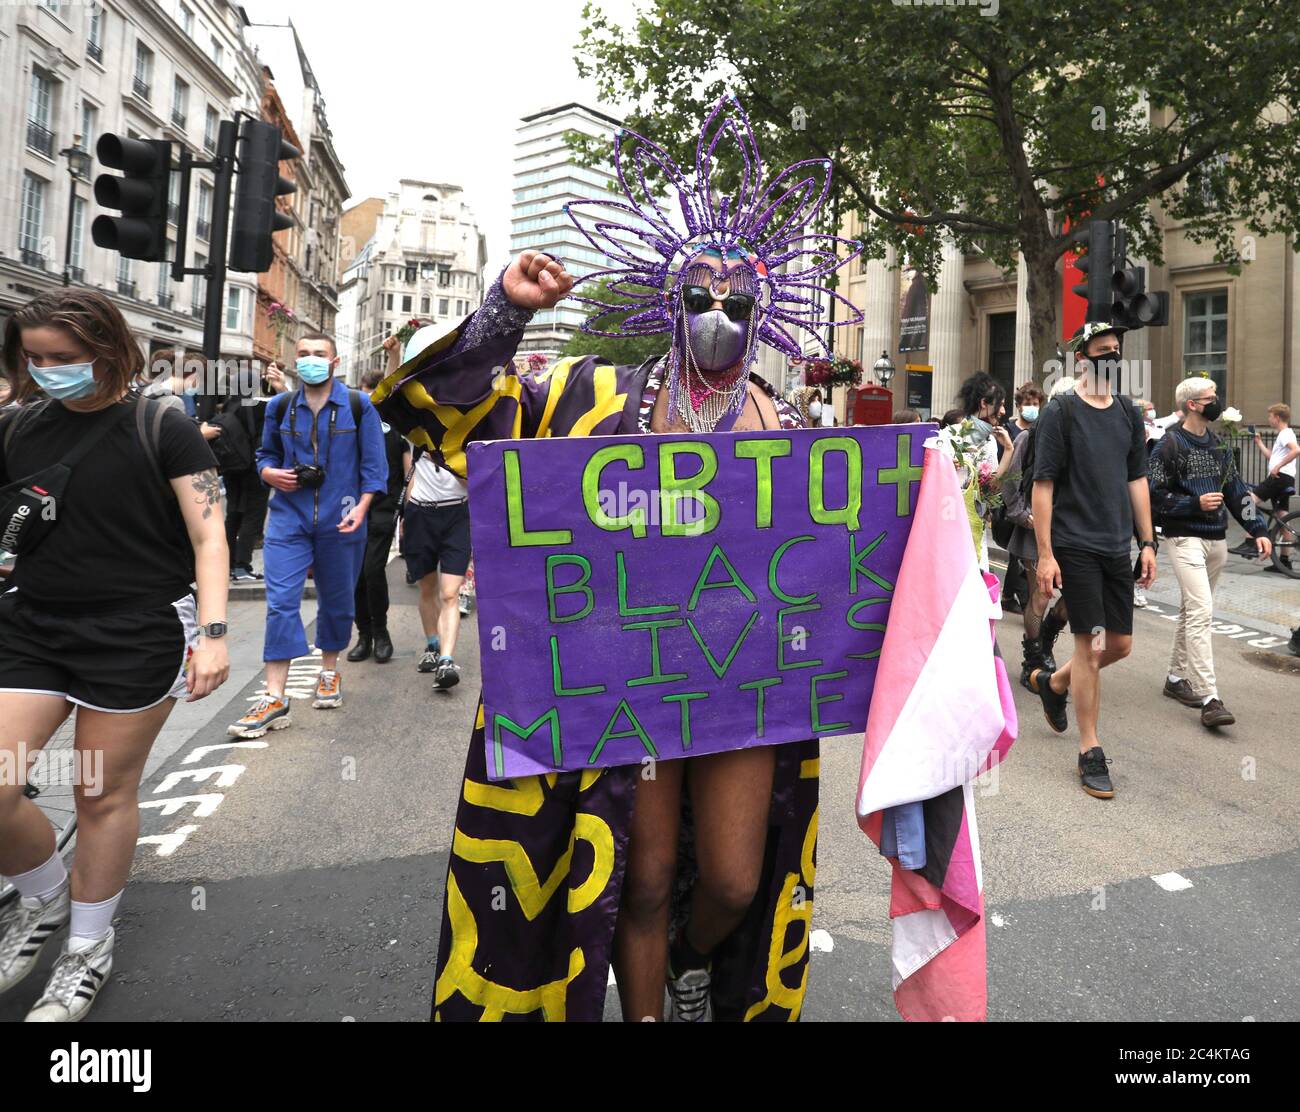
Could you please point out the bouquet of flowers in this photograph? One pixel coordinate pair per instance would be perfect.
(958, 441)
(281, 318)
(537, 362)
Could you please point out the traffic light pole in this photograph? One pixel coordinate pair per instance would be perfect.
(224, 171)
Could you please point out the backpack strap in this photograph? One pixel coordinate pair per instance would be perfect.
(149, 416)
(354, 401)
(21, 416)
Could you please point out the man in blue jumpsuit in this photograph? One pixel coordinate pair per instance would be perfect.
(323, 453)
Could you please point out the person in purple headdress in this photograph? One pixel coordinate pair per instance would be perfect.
(553, 878)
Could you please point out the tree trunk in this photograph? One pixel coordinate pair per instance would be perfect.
(1043, 295)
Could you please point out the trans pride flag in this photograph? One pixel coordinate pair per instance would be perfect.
(941, 714)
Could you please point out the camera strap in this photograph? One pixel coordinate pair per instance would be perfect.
(293, 429)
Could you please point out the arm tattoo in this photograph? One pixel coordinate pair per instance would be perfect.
(207, 491)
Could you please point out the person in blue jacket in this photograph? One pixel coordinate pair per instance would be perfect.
(323, 454)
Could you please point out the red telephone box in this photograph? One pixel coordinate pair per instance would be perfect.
(872, 405)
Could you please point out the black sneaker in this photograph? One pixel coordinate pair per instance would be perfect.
(1182, 691)
(429, 660)
(448, 674)
(1093, 774)
(244, 575)
(1053, 704)
(1246, 548)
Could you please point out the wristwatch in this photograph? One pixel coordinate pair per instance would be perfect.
(214, 629)
(1147, 544)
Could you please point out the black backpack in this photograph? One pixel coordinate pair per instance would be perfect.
(1027, 470)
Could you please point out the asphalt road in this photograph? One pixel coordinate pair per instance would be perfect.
(305, 884)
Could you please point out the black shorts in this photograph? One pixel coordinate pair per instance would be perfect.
(1098, 590)
(435, 537)
(121, 662)
(1274, 488)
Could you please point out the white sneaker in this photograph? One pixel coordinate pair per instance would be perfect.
(74, 983)
(24, 932)
(1139, 597)
(688, 997)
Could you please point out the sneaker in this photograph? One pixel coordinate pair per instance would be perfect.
(1214, 713)
(245, 575)
(24, 931)
(429, 661)
(1247, 548)
(465, 605)
(268, 713)
(1139, 597)
(74, 983)
(1093, 774)
(688, 997)
(1182, 691)
(448, 674)
(329, 691)
(1053, 704)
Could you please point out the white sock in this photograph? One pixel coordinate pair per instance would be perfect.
(91, 922)
(44, 881)
(1207, 699)
(1175, 679)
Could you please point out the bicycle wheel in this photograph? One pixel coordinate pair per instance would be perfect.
(1285, 536)
(50, 788)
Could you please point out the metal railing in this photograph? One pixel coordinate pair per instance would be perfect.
(203, 228)
(125, 288)
(40, 138)
(178, 119)
(32, 258)
(173, 213)
(165, 300)
(77, 273)
(1251, 463)
(210, 143)
(141, 88)
(94, 51)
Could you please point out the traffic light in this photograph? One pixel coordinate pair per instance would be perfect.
(261, 150)
(1096, 266)
(1133, 307)
(141, 195)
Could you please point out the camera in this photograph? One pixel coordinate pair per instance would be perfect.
(309, 475)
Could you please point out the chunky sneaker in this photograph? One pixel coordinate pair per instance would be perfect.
(1182, 691)
(268, 713)
(1031, 650)
(362, 649)
(448, 674)
(465, 604)
(429, 660)
(24, 931)
(688, 996)
(74, 983)
(1214, 713)
(1093, 774)
(329, 691)
(1139, 596)
(1053, 704)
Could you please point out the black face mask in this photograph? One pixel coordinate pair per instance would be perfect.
(1213, 409)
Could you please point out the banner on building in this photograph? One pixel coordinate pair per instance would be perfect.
(683, 595)
(914, 312)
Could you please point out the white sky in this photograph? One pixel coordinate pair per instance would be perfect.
(434, 90)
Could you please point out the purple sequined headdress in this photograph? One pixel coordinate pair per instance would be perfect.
(763, 222)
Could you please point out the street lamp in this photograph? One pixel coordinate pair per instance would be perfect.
(79, 164)
(883, 369)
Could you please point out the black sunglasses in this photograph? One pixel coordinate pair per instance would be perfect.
(737, 306)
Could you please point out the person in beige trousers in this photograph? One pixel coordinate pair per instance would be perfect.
(1194, 485)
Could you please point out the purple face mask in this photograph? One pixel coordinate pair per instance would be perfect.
(716, 341)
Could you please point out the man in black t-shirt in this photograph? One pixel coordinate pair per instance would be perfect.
(1090, 489)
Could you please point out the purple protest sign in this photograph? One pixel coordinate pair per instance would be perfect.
(671, 596)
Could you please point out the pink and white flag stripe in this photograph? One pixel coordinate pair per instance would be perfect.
(942, 712)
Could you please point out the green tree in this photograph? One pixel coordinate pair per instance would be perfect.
(614, 349)
(997, 123)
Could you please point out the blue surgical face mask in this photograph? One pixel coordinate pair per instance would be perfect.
(76, 380)
(313, 369)
(1029, 413)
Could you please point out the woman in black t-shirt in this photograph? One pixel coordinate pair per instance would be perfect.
(100, 616)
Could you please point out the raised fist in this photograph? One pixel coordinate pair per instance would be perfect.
(536, 281)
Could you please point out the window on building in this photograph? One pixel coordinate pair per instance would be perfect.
(203, 226)
(444, 275)
(165, 281)
(31, 220)
(78, 232)
(406, 304)
(211, 122)
(89, 126)
(424, 306)
(234, 309)
(443, 306)
(411, 274)
(186, 19)
(216, 52)
(388, 302)
(427, 270)
(125, 283)
(95, 33)
(180, 101)
(174, 199)
(143, 70)
(40, 96)
(1205, 335)
(198, 288)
